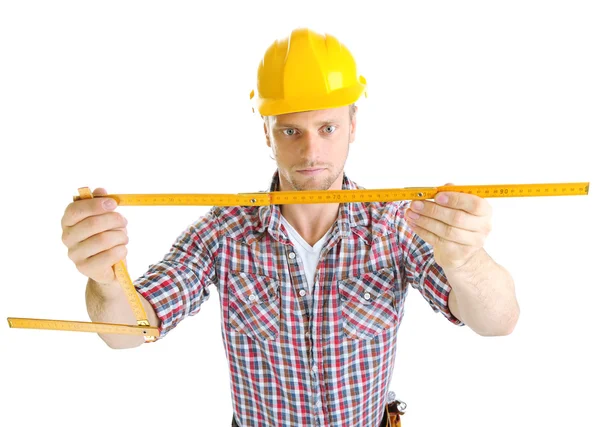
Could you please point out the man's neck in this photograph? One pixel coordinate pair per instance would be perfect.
(312, 221)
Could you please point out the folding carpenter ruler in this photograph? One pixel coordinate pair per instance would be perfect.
(142, 328)
(273, 198)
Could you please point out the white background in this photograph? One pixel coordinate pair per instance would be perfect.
(150, 97)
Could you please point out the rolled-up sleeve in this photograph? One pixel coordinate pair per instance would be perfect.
(421, 271)
(177, 285)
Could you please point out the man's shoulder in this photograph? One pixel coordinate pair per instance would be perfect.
(238, 221)
(382, 212)
(386, 214)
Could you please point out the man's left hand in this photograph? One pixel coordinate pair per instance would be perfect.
(455, 224)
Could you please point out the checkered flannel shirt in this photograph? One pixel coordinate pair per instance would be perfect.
(297, 359)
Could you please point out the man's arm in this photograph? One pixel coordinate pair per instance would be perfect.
(483, 296)
(456, 225)
(107, 303)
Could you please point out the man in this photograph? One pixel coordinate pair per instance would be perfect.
(312, 295)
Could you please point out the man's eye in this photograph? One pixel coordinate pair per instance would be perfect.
(289, 132)
(329, 129)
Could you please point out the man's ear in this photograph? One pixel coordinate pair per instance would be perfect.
(353, 125)
(267, 135)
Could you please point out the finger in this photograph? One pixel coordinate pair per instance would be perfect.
(101, 260)
(470, 203)
(443, 231)
(453, 217)
(97, 244)
(81, 209)
(92, 225)
(427, 236)
(99, 192)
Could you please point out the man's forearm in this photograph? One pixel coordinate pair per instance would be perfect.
(483, 296)
(108, 304)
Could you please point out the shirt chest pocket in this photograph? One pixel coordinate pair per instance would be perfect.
(253, 308)
(367, 304)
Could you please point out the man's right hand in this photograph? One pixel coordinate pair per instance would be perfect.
(96, 236)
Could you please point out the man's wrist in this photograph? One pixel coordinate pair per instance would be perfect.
(106, 291)
(473, 264)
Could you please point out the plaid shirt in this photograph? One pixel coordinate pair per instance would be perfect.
(297, 359)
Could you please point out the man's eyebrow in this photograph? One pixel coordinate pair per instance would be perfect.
(285, 125)
(327, 122)
(292, 125)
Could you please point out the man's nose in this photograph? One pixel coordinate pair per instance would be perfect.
(311, 144)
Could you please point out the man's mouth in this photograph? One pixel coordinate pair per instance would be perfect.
(310, 171)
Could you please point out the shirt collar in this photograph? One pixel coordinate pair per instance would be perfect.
(270, 215)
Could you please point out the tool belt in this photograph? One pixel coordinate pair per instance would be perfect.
(393, 409)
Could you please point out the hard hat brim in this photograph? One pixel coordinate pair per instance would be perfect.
(334, 99)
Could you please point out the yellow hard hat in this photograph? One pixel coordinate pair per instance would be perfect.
(306, 71)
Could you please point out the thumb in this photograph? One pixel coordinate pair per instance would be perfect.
(99, 192)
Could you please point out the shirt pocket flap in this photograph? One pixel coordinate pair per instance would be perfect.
(367, 287)
(253, 288)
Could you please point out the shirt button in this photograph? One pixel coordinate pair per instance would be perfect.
(292, 255)
(307, 334)
(302, 292)
(314, 368)
(252, 297)
(367, 296)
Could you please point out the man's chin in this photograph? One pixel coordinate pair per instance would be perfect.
(313, 185)
(317, 181)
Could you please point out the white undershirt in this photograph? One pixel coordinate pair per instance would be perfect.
(309, 254)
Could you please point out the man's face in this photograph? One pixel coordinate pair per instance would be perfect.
(311, 147)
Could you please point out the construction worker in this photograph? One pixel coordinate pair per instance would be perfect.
(311, 295)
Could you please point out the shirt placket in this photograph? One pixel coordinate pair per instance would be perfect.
(316, 325)
(311, 331)
(320, 333)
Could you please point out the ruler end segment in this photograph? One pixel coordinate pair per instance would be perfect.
(18, 322)
(85, 193)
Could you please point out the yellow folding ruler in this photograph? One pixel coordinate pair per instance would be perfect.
(142, 328)
(273, 198)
